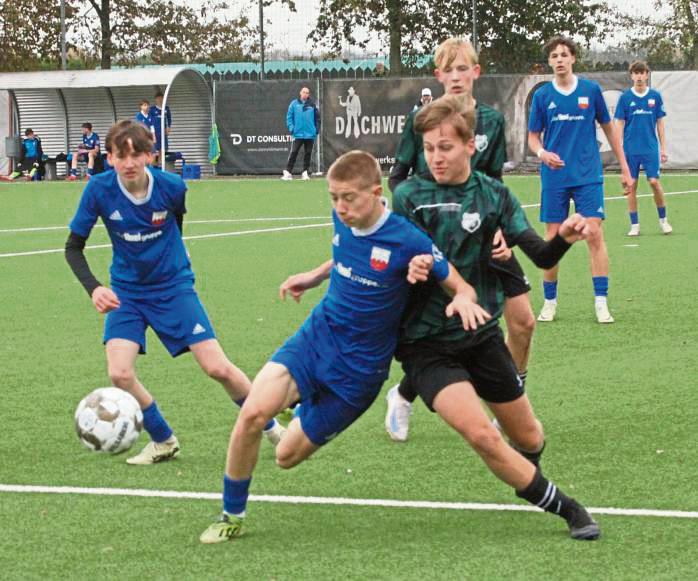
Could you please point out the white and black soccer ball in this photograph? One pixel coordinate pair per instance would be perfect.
(108, 420)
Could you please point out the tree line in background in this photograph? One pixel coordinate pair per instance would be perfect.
(510, 33)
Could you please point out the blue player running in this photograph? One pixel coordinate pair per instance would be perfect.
(337, 361)
(88, 150)
(565, 112)
(152, 283)
(640, 114)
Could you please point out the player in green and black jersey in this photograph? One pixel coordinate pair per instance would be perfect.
(450, 368)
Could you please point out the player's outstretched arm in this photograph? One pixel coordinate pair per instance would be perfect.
(546, 254)
(464, 303)
(297, 284)
(614, 140)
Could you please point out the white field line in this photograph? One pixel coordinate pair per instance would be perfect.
(199, 237)
(263, 230)
(334, 501)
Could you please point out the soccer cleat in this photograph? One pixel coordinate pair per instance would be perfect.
(602, 313)
(634, 230)
(15, 174)
(582, 526)
(225, 529)
(275, 433)
(286, 176)
(665, 226)
(305, 175)
(547, 313)
(397, 418)
(72, 178)
(155, 452)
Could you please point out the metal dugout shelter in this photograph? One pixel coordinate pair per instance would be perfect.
(55, 104)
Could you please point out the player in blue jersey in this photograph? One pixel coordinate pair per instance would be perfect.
(145, 118)
(31, 156)
(152, 283)
(157, 113)
(564, 112)
(87, 151)
(337, 361)
(640, 114)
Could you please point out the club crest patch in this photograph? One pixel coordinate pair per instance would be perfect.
(481, 142)
(380, 257)
(651, 102)
(470, 222)
(159, 218)
(583, 102)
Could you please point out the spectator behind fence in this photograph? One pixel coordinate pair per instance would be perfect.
(30, 156)
(425, 99)
(87, 151)
(303, 121)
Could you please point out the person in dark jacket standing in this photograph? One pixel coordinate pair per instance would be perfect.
(303, 121)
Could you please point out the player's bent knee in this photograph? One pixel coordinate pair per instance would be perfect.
(253, 418)
(485, 440)
(220, 370)
(122, 377)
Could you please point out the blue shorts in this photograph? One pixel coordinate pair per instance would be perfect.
(588, 201)
(649, 162)
(323, 413)
(178, 319)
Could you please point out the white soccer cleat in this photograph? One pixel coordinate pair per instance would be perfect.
(634, 230)
(547, 313)
(602, 313)
(155, 452)
(286, 176)
(275, 433)
(665, 226)
(397, 418)
(305, 176)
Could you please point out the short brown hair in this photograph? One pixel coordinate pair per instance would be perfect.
(457, 110)
(356, 165)
(127, 134)
(144, 102)
(448, 50)
(638, 67)
(556, 41)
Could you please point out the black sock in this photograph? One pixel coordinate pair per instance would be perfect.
(544, 494)
(532, 457)
(406, 391)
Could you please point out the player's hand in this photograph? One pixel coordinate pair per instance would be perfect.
(104, 299)
(472, 314)
(419, 268)
(626, 181)
(500, 250)
(663, 157)
(296, 285)
(574, 228)
(552, 160)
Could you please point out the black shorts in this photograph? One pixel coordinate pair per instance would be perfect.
(430, 366)
(512, 277)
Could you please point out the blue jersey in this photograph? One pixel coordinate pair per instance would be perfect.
(156, 115)
(640, 114)
(90, 141)
(148, 253)
(146, 120)
(31, 147)
(567, 120)
(356, 323)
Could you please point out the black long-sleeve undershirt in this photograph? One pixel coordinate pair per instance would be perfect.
(544, 254)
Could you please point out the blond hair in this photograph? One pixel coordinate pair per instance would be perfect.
(356, 166)
(456, 110)
(448, 51)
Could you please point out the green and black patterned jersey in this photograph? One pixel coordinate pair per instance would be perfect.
(461, 220)
(490, 144)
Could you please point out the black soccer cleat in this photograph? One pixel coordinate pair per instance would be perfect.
(582, 526)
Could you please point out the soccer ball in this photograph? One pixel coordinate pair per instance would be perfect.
(108, 420)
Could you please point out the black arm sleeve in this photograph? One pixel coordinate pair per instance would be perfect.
(179, 218)
(75, 257)
(543, 254)
(398, 174)
(497, 175)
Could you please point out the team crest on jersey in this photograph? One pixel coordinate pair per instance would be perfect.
(159, 218)
(481, 142)
(583, 102)
(651, 102)
(380, 257)
(470, 222)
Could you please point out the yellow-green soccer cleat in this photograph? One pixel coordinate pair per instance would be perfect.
(225, 529)
(155, 452)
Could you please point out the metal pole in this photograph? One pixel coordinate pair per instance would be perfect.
(475, 25)
(261, 37)
(63, 57)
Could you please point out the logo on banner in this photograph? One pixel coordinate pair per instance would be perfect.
(651, 102)
(470, 222)
(237, 138)
(481, 142)
(355, 124)
(159, 218)
(583, 102)
(380, 257)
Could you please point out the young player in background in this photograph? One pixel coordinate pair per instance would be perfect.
(640, 114)
(337, 361)
(157, 113)
(152, 283)
(457, 69)
(564, 113)
(87, 151)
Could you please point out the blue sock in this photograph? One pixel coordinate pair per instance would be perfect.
(600, 286)
(634, 219)
(550, 290)
(90, 171)
(270, 423)
(155, 424)
(73, 172)
(662, 212)
(235, 493)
